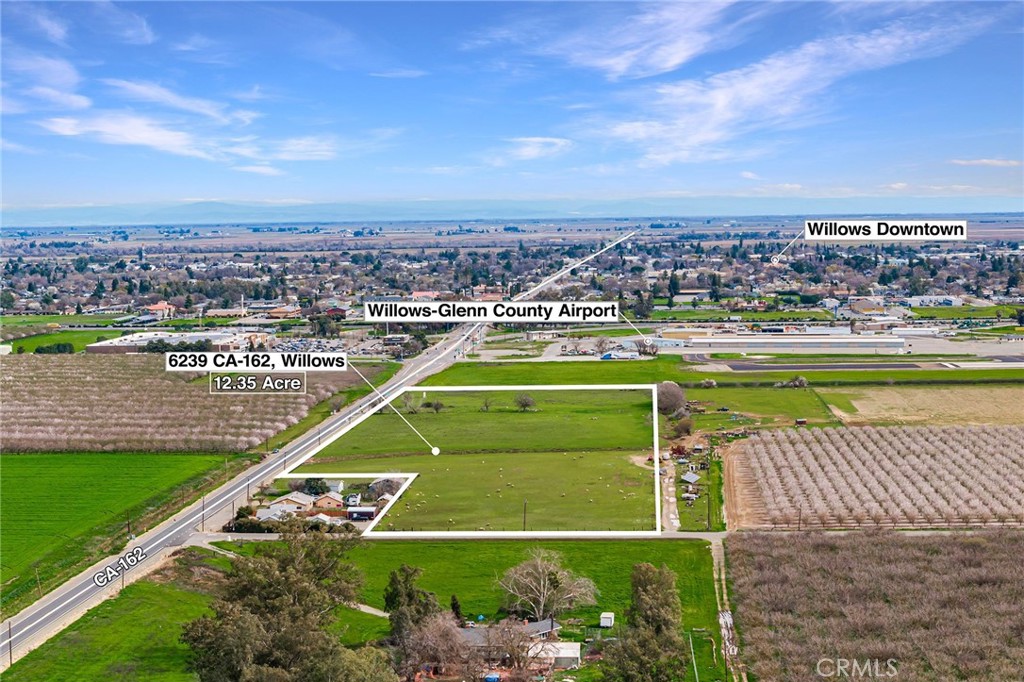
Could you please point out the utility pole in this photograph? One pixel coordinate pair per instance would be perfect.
(709, 506)
(524, 514)
(128, 516)
(39, 586)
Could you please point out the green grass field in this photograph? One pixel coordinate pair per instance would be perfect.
(491, 461)
(966, 312)
(560, 420)
(468, 569)
(770, 406)
(64, 320)
(79, 339)
(593, 490)
(670, 368)
(131, 637)
(719, 315)
(55, 536)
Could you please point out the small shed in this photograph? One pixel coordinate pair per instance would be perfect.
(607, 619)
(690, 478)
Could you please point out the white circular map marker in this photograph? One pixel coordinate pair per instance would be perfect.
(775, 260)
(435, 451)
(648, 342)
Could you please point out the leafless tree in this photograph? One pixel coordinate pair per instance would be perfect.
(541, 587)
(602, 344)
(438, 642)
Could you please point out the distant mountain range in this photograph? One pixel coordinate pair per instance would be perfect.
(219, 212)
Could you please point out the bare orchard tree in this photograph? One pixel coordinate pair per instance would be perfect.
(541, 587)
(485, 406)
(602, 344)
(576, 343)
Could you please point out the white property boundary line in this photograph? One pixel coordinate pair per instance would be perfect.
(370, 531)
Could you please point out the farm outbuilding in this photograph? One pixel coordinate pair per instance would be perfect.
(690, 478)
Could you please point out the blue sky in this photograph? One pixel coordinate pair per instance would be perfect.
(124, 103)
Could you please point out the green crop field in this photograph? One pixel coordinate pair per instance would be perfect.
(79, 339)
(90, 515)
(492, 460)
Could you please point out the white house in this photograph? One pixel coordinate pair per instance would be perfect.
(559, 655)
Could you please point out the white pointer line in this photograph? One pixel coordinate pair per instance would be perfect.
(433, 450)
(563, 271)
(647, 341)
(776, 258)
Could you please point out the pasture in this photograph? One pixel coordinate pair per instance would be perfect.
(592, 490)
(62, 509)
(572, 456)
(560, 420)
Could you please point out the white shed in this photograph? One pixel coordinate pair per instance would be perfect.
(607, 619)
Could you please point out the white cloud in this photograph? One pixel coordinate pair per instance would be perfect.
(158, 94)
(128, 129)
(65, 100)
(10, 146)
(50, 25)
(400, 73)
(130, 27)
(897, 186)
(51, 72)
(750, 175)
(308, 148)
(531, 148)
(656, 40)
(259, 170)
(696, 120)
(253, 94)
(997, 163)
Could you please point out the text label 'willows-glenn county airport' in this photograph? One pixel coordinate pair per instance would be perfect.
(490, 311)
(885, 230)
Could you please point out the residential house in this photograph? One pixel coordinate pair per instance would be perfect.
(293, 502)
(329, 500)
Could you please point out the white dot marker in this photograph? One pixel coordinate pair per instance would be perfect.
(775, 260)
(435, 451)
(648, 342)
